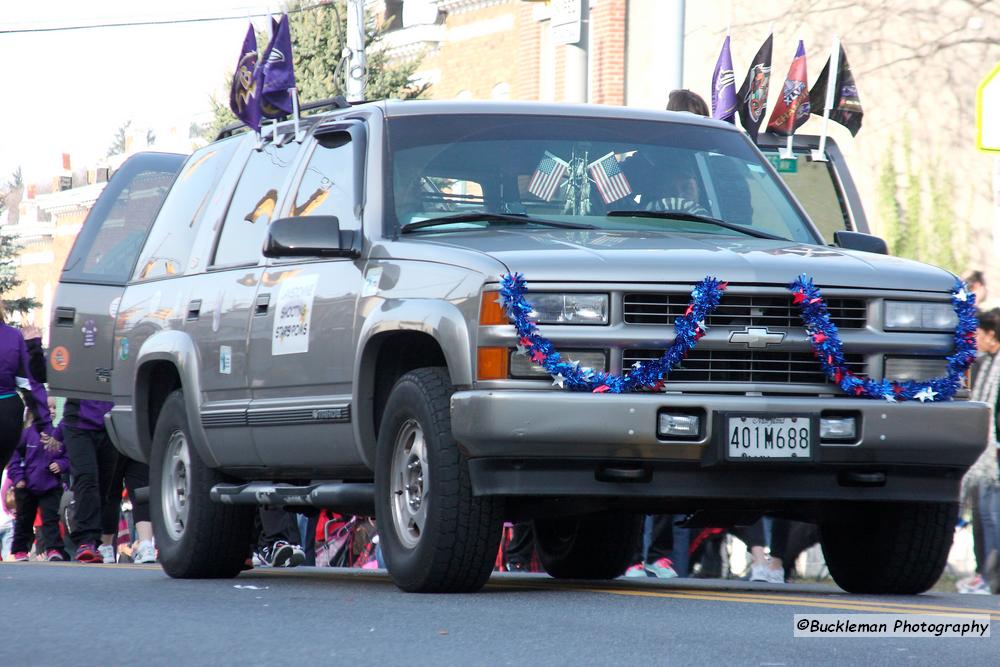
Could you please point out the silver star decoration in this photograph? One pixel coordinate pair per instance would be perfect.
(925, 394)
(889, 397)
(637, 365)
(575, 364)
(701, 325)
(523, 349)
(962, 295)
(558, 380)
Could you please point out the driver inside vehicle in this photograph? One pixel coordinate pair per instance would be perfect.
(682, 193)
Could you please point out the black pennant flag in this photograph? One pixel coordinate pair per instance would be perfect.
(846, 108)
(752, 96)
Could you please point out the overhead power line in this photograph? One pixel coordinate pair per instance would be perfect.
(128, 24)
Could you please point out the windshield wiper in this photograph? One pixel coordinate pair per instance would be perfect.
(485, 216)
(694, 217)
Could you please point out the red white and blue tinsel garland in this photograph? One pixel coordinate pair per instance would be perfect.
(690, 327)
(567, 373)
(827, 346)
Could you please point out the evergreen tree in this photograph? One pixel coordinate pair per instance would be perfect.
(9, 247)
(888, 204)
(318, 38)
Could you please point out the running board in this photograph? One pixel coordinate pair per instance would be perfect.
(344, 497)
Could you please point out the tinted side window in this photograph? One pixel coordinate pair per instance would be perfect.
(252, 207)
(814, 186)
(112, 236)
(170, 242)
(327, 185)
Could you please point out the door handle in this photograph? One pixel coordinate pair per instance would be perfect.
(263, 300)
(194, 310)
(65, 315)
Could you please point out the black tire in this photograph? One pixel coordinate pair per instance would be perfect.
(455, 549)
(214, 541)
(896, 548)
(598, 546)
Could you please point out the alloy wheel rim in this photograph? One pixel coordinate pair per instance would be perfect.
(176, 486)
(410, 483)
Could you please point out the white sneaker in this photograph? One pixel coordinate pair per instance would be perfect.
(146, 553)
(759, 573)
(775, 575)
(107, 553)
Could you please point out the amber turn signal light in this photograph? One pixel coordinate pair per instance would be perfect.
(490, 311)
(492, 363)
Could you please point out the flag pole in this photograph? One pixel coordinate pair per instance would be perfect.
(294, 92)
(787, 153)
(819, 155)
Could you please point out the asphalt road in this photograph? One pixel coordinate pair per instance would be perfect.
(72, 614)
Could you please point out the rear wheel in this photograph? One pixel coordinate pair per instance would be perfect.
(598, 546)
(195, 536)
(436, 537)
(888, 547)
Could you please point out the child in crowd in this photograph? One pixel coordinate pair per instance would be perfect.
(6, 515)
(36, 469)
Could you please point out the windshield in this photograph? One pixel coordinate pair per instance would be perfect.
(591, 171)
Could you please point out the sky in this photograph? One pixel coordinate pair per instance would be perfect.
(70, 91)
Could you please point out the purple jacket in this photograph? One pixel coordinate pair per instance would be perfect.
(85, 415)
(14, 364)
(31, 462)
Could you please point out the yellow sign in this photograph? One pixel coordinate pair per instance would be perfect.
(988, 112)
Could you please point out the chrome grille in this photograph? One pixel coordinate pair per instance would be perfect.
(745, 366)
(740, 311)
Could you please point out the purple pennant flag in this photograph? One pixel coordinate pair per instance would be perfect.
(244, 94)
(724, 86)
(277, 73)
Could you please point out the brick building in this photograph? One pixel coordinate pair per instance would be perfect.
(505, 49)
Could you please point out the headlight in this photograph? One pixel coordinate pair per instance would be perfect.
(919, 316)
(569, 308)
(521, 366)
(914, 368)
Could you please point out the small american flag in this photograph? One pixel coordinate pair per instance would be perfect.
(608, 178)
(547, 177)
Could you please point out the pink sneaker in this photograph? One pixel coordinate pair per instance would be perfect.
(663, 568)
(53, 555)
(19, 556)
(637, 570)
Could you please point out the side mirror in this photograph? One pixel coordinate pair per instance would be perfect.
(309, 236)
(859, 241)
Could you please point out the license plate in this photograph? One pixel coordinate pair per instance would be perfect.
(755, 437)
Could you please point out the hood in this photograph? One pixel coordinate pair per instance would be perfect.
(627, 256)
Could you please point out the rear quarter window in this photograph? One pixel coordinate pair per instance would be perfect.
(106, 250)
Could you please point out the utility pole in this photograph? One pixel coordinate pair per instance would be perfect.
(675, 56)
(354, 51)
(577, 65)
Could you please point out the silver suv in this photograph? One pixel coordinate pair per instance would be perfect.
(313, 321)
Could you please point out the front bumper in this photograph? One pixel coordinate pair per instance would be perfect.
(554, 443)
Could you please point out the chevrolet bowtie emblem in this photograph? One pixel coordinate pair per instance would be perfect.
(756, 337)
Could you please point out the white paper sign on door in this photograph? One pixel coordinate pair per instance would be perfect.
(293, 315)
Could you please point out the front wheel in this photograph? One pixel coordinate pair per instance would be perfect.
(436, 537)
(898, 548)
(597, 546)
(196, 537)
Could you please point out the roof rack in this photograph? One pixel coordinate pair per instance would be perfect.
(336, 102)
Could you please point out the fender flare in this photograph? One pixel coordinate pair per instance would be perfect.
(177, 348)
(439, 319)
